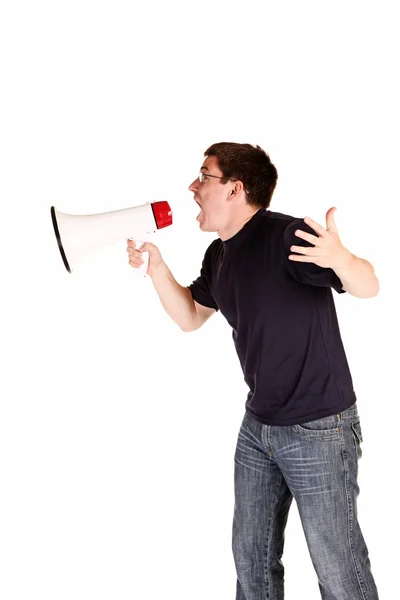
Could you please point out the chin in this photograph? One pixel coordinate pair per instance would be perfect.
(206, 229)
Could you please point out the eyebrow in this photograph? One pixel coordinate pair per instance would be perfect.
(204, 167)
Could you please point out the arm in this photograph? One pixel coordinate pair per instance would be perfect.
(178, 302)
(356, 274)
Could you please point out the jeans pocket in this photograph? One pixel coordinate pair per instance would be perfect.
(325, 429)
(357, 437)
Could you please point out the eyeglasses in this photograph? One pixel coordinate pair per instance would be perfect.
(203, 176)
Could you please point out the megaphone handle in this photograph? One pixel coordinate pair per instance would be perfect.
(142, 270)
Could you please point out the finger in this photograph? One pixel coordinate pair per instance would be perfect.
(313, 239)
(136, 256)
(131, 244)
(134, 253)
(136, 263)
(309, 259)
(316, 226)
(330, 221)
(306, 250)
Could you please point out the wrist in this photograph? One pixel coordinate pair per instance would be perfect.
(346, 260)
(158, 270)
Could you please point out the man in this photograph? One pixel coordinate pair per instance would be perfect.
(271, 275)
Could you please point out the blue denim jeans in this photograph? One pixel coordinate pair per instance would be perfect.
(315, 463)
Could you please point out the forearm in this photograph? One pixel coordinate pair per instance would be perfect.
(176, 300)
(357, 276)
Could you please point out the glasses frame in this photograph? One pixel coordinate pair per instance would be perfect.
(202, 176)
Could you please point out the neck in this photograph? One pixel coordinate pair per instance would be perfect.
(236, 223)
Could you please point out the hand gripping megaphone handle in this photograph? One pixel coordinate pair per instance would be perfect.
(142, 270)
(162, 216)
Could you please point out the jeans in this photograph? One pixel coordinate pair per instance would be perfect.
(315, 463)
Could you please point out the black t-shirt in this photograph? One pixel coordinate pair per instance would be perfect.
(283, 319)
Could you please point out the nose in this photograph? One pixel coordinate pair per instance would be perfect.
(194, 186)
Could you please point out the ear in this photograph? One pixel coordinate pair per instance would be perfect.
(237, 187)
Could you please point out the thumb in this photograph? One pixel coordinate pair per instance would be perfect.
(146, 247)
(330, 221)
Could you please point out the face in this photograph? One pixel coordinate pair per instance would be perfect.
(212, 196)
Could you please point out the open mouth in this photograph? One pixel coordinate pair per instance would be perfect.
(199, 207)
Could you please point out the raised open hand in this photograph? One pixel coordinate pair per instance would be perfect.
(327, 250)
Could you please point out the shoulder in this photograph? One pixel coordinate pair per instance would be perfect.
(212, 254)
(215, 245)
(214, 249)
(279, 229)
(278, 224)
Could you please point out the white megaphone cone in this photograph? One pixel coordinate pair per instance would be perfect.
(78, 235)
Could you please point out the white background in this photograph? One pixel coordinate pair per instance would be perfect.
(117, 430)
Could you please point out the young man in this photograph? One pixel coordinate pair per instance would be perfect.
(271, 275)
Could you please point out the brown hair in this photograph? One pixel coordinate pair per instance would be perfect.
(249, 164)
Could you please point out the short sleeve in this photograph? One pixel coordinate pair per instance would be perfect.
(200, 288)
(306, 272)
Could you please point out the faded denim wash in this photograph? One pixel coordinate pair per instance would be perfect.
(315, 463)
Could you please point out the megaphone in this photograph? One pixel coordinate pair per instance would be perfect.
(78, 235)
